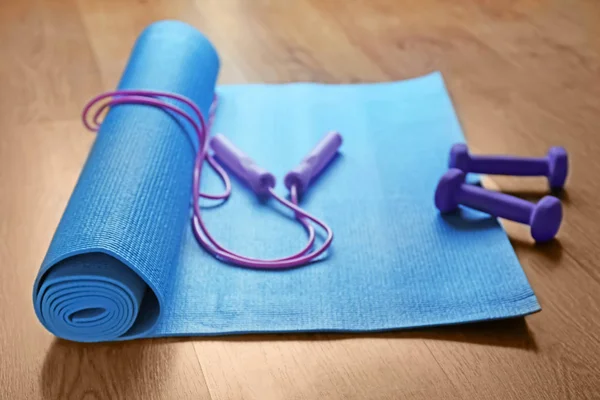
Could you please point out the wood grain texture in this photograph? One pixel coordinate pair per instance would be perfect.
(523, 74)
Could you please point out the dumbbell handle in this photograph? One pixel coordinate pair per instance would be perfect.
(495, 203)
(507, 165)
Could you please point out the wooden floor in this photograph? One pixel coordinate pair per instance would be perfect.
(524, 75)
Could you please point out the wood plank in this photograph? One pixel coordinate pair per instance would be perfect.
(47, 64)
(524, 75)
(322, 367)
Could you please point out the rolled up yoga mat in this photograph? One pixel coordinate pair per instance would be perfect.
(123, 263)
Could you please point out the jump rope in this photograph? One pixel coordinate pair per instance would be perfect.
(260, 181)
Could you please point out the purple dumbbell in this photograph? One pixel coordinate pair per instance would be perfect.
(544, 217)
(554, 166)
(314, 162)
(259, 179)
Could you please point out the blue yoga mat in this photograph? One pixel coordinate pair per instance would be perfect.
(123, 263)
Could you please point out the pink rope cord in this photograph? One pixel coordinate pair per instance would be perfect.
(201, 233)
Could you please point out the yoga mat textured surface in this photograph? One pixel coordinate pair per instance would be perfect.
(123, 263)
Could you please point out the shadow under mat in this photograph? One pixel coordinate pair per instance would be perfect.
(512, 332)
(105, 370)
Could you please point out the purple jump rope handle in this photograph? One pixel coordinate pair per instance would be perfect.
(544, 217)
(259, 179)
(314, 162)
(554, 166)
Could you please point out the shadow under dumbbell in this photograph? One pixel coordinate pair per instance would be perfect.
(462, 219)
(534, 195)
(551, 251)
